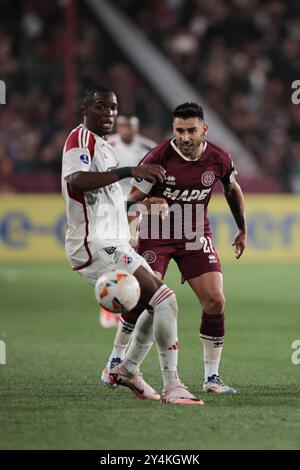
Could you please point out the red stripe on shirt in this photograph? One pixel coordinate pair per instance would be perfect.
(72, 140)
(91, 145)
(81, 138)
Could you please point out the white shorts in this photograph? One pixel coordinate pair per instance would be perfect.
(105, 259)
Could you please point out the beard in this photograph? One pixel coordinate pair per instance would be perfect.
(191, 151)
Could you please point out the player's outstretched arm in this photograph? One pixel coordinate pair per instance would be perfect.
(87, 181)
(235, 200)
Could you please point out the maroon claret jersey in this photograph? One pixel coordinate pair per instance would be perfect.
(188, 185)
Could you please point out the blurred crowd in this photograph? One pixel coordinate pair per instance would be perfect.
(241, 55)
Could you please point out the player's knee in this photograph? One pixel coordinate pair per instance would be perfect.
(214, 304)
(173, 304)
(165, 321)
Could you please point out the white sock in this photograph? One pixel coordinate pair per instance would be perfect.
(122, 338)
(165, 332)
(141, 342)
(212, 350)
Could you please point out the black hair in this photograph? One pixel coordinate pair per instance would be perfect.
(92, 89)
(188, 110)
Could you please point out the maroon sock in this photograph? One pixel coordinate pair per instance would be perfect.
(212, 325)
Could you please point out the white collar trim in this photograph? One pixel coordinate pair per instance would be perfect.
(183, 156)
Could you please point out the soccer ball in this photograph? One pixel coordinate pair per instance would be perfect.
(117, 291)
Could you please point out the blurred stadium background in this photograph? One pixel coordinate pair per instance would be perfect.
(237, 58)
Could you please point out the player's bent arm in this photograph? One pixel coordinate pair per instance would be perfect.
(235, 199)
(138, 202)
(133, 207)
(87, 180)
(135, 195)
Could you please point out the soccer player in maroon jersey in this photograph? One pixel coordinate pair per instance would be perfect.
(193, 166)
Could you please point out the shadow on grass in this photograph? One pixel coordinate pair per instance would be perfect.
(259, 395)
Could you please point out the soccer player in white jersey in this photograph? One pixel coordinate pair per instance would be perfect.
(97, 241)
(130, 147)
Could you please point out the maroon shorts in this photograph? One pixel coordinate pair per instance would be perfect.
(191, 263)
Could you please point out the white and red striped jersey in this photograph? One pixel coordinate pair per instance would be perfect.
(94, 218)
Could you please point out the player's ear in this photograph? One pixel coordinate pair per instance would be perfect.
(205, 127)
(85, 106)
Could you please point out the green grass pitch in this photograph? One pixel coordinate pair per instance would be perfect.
(50, 392)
